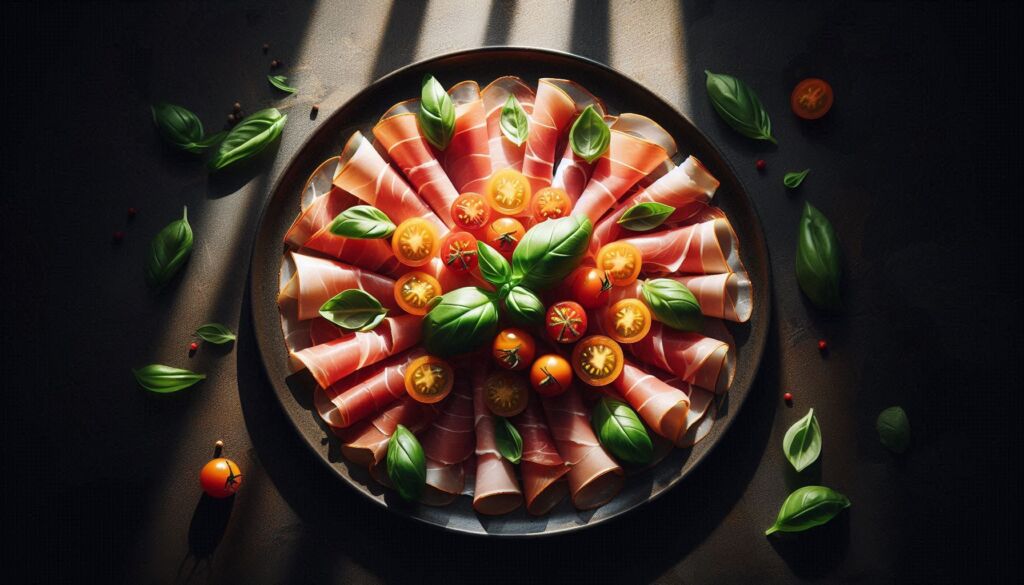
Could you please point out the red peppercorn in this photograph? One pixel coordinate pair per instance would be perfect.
(275, 64)
(132, 211)
(761, 165)
(193, 346)
(788, 397)
(118, 236)
(822, 344)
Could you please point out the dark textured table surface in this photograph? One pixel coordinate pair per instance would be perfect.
(917, 165)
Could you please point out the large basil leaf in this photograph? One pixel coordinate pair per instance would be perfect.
(181, 128)
(165, 379)
(550, 251)
(524, 307)
(168, 251)
(249, 137)
(738, 105)
(437, 113)
(510, 442)
(354, 310)
(893, 429)
(364, 222)
(672, 304)
(215, 333)
(817, 259)
(589, 135)
(621, 432)
(493, 266)
(807, 507)
(464, 320)
(645, 216)
(802, 443)
(406, 464)
(514, 123)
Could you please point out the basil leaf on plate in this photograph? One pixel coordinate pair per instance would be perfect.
(165, 379)
(464, 320)
(364, 222)
(493, 266)
(181, 128)
(807, 507)
(893, 429)
(215, 333)
(550, 251)
(589, 135)
(645, 216)
(524, 307)
(514, 123)
(794, 179)
(281, 83)
(802, 443)
(354, 310)
(673, 304)
(249, 137)
(437, 113)
(510, 442)
(817, 259)
(621, 432)
(168, 251)
(406, 463)
(738, 105)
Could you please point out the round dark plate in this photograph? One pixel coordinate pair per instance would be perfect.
(620, 94)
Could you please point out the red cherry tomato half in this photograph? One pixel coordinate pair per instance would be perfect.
(458, 252)
(513, 349)
(597, 360)
(550, 203)
(566, 321)
(220, 478)
(504, 234)
(590, 287)
(470, 211)
(811, 98)
(550, 375)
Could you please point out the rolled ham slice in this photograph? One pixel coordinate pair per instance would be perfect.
(367, 442)
(467, 160)
(557, 103)
(319, 279)
(703, 409)
(322, 331)
(496, 490)
(723, 296)
(365, 393)
(662, 407)
(704, 361)
(444, 483)
(373, 255)
(504, 153)
(450, 438)
(542, 467)
(321, 203)
(710, 247)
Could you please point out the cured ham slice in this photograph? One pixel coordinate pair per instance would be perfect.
(319, 279)
(496, 491)
(703, 248)
(542, 467)
(367, 442)
(373, 255)
(704, 361)
(449, 440)
(322, 202)
(557, 103)
(504, 153)
(444, 483)
(703, 410)
(322, 331)
(332, 361)
(467, 160)
(723, 296)
(595, 477)
(365, 393)
(662, 407)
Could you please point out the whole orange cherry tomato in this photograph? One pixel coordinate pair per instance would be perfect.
(504, 234)
(590, 287)
(513, 349)
(508, 192)
(550, 203)
(811, 98)
(414, 241)
(414, 291)
(628, 321)
(565, 321)
(220, 478)
(458, 252)
(597, 360)
(621, 261)
(550, 375)
(506, 393)
(470, 211)
(429, 379)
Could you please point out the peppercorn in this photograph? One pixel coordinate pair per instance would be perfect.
(788, 397)
(118, 236)
(822, 344)
(193, 346)
(761, 165)
(237, 107)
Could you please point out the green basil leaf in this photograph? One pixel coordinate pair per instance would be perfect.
(179, 126)
(672, 304)
(249, 137)
(281, 83)
(524, 307)
(802, 443)
(893, 429)
(738, 105)
(793, 180)
(165, 379)
(645, 216)
(621, 432)
(510, 442)
(493, 266)
(817, 259)
(807, 507)
(215, 333)
(406, 464)
(589, 135)
(354, 310)
(364, 222)
(207, 142)
(514, 123)
(168, 251)
(550, 251)
(464, 320)
(437, 113)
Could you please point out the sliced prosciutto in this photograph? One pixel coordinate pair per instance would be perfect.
(542, 467)
(704, 361)
(709, 247)
(365, 393)
(662, 407)
(703, 408)
(504, 153)
(724, 296)
(467, 160)
(496, 491)
(444, 483)
(367, 442)
(319, 279)
(321, 203)
(373, 255)
(322, 331)
(450, 439)
(557, 103)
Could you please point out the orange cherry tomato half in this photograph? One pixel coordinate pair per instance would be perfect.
(414, 241)
(590, 287)
(565, 321)
(628, 321)
(506, 393)
(414, 291)
(621, 261)
(470, 211)
(550, 203)
(811, 98)
(504, 234)
(513, 349)
(458, 252)
(597, 360)
(508, 192)
(220, 478)
(550, 375)
(429, 379)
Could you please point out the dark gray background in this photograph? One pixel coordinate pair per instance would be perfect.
(917, 166)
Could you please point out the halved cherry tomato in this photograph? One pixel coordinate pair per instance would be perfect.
(458, 251)
(470, 211)
(628, 321)
(429, 379)
(621, 261)
(513, 349)
(550, 375)
(597, 360)
(566, 321)
(506, 393)
(504, 235)
(414, 291)
(508, 192)
(590, 287)
(220, 478)
(811, 98)
(414, 241)
(550, 203)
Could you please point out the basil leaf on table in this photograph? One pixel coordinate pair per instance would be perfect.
(794, 179)
(249, 137)
(807, 507)
(215, 333)
(739, 106)
(817, 259)
(168, 251)
(802, 443)
(354, 310)
(589, 135)
(893, 429)
(281, 83)
(621, 432)
(165, 379)
(181, 128)
(437, 113)
(524, 307)
(645, 216)
(364, 222)
(493, 266)
(464, 320)
(510, 442)
(514, 123)
(406, 463)
(550, 251)
(672, 304)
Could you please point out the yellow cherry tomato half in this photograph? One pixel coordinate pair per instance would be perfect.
(429, 379)
(550, 375)
(414, 242)
(508, 192)
(628, 321)
(470, 211)
(506, 393)
(550, 203)
(504, 234)
(220, 478)
(513, 349)
(414, 291)
(597, 360)
(621, 262)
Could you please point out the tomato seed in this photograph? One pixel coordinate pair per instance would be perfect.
(761, 165)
